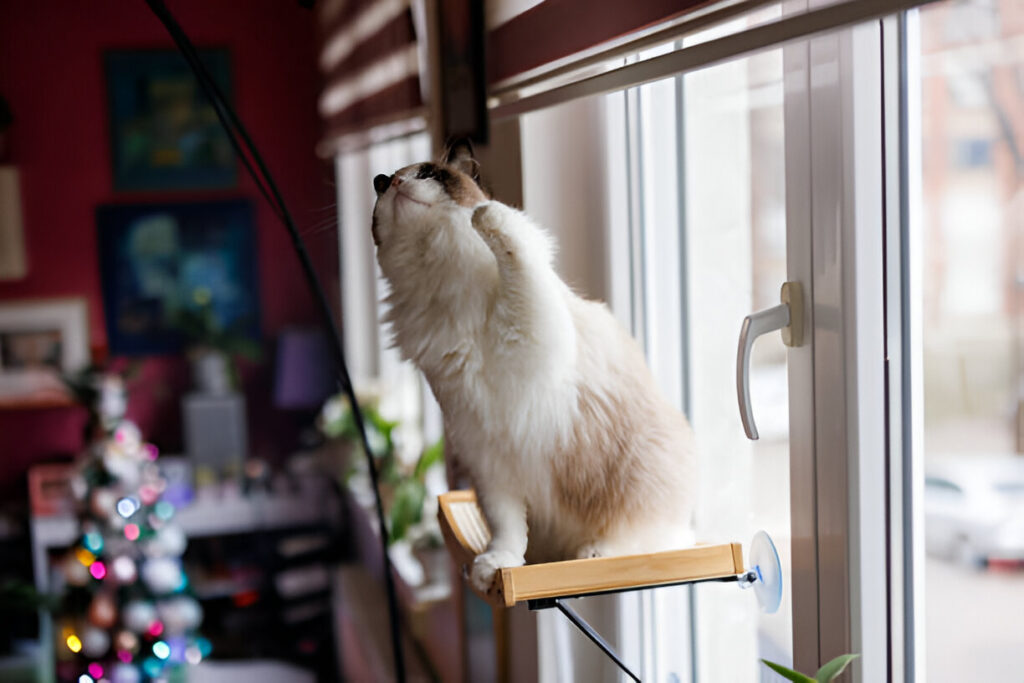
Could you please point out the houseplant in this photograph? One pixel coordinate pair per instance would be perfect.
(406, 483)
(212, 345)
(828, 672)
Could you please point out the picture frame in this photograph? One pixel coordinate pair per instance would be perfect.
(164, 131)
(41, 340)
(156, 258)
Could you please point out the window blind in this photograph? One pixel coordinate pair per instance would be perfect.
(371, 59)
(559, 50)
(556, 29)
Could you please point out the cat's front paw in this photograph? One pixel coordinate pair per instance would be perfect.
(486, 215)
(487, 222)
(590, 550)
(487, 564)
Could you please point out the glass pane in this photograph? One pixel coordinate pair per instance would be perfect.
(736, 245)
(692, 173)
(971, 135)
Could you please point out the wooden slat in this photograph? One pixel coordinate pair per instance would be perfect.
(577, 577)
(459, 547)
(400, 100)
(393, 36)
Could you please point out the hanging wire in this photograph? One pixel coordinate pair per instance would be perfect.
(253, 162)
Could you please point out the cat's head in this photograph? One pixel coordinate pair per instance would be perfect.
(419, 199)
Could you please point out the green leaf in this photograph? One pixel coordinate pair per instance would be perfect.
(430, 457)
(406, 508)
(833, 668)
(788, 674)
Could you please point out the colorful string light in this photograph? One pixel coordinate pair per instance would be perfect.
(164, 510)
(93, 542)
(127, 506)
(85, 557)
(153, 667)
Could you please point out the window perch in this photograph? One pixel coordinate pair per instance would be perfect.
(543, 586)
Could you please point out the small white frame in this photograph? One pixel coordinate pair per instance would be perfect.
(70, 316)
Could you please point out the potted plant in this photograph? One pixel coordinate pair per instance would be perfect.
(213, 346)
(405, 486)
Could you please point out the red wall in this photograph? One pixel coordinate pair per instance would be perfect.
(51, 73)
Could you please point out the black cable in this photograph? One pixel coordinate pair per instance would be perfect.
(235, 130)
(224, 112)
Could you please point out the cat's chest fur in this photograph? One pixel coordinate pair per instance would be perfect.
(500, 397)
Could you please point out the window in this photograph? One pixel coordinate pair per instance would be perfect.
(897, 201)
(691, 184)
(966, 66)
(708, 173)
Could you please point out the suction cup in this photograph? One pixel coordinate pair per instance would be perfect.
(764, 562)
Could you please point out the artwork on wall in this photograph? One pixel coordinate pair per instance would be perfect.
(39, 341)
(161, 264)
(164, 132)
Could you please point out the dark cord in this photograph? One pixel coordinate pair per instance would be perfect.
(251, 159)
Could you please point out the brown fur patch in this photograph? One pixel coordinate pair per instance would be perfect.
(598, 478)
(464, 191)
(460, 187)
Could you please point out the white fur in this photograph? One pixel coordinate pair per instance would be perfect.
(509, 351)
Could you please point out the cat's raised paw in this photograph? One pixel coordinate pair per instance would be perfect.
(488, 224)
(487, 564)
(486, 216)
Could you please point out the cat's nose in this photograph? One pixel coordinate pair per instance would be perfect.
(381, 183)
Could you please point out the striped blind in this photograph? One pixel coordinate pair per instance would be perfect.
(545, 52)
(555, 29)
(370, 58)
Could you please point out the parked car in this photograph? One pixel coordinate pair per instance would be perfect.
(974, 508)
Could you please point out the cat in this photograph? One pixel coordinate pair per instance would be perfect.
(548, 403)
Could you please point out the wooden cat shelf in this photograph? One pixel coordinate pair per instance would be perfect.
(544, 586)
(466, 535)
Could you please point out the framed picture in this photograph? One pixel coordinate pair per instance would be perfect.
(164, 132)
(39, 341)
(161, 263)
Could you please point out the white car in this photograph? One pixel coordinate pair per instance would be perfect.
(974, 508)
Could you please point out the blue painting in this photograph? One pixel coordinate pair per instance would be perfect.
(161, 264)
(165, 134)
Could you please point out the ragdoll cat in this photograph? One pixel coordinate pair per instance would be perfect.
(547, 401)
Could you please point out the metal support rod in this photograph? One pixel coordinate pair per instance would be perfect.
(581, 623)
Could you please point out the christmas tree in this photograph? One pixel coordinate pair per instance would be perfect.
(128, 613)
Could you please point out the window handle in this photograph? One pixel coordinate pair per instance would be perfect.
(788, 317)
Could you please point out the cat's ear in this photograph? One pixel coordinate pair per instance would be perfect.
(460, 156)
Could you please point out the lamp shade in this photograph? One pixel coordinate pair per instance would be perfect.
(305, 369)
